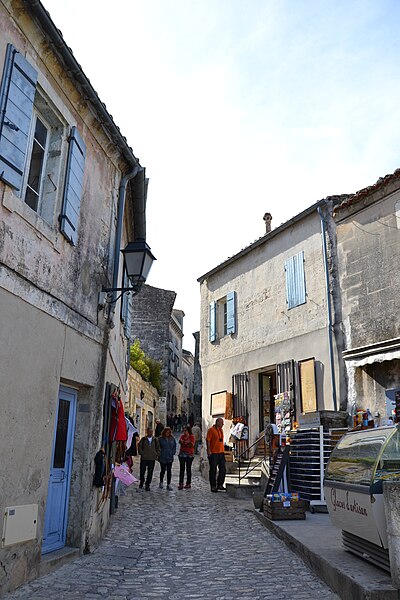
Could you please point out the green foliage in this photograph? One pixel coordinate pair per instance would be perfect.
(147, 367)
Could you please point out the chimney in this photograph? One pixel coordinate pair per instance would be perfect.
(267, 219)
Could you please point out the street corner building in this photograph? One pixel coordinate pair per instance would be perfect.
(72, 195)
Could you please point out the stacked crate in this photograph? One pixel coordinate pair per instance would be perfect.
(309, 453)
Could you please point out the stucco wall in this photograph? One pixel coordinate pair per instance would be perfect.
(51, 330)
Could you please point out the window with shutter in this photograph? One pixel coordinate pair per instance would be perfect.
(32, 140)
(295, 280)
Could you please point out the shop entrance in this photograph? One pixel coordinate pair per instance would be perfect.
(55, 523)
(267, 391)
(392, 406)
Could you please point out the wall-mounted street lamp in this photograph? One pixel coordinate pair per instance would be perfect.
(138, 259)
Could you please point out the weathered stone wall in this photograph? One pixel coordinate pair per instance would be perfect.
(151, 313)
(369, 254)
(52, 333)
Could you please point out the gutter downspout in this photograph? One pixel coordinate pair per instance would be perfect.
(118, 234)
(329, 308)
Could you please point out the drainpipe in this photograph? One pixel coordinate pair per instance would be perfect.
(329, 308)
(118, 234)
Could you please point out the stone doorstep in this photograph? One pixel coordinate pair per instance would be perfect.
(242, 490)
(346, 574)
(54, 560)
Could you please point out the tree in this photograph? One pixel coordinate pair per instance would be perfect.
(146, 366)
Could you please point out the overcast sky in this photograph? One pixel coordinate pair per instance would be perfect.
(237, 108)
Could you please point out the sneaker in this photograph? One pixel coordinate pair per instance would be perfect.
(161, 485)
(214, 490)
(180, 486)
(169, 488)
(147, 488)
(187, 486)
(221, 488)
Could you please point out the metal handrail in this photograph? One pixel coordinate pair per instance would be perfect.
(247, 452)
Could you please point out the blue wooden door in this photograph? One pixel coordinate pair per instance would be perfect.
(55, 524)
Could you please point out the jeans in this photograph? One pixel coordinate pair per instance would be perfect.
(166, 467)
(149, 465)
(185, 462)
(217, 461)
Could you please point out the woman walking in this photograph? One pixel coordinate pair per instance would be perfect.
(167, 453)
(186, 455)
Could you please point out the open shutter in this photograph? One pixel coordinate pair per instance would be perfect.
(213, 321)
(295, 280)
(126, 307)
(230, 313)
(17, 93)
(73, 187)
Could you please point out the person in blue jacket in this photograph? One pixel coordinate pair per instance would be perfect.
(167, 453)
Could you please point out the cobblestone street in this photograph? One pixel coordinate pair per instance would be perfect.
(180, 545)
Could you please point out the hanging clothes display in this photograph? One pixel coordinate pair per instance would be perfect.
(118, 430)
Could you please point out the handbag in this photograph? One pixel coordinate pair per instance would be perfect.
(123, 474)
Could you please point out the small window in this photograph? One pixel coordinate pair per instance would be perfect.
(223, 316)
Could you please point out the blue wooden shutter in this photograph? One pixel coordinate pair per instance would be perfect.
(17, 93)
(213, 321)
(73, 187)
(230, 313)
(295, 280)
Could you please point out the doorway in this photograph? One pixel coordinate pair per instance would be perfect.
(56, 517)
(267, 391)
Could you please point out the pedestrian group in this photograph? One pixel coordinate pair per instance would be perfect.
(160, 445)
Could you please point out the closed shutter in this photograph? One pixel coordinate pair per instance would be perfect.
(295, 280)
(213, 321)
(73, 187)
(17, 93)
(230, 313)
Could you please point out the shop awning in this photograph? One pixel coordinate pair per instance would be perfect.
(373, 353)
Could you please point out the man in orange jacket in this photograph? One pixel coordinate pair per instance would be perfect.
(216, 455)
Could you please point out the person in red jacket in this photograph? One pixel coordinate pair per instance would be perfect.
(186, 455)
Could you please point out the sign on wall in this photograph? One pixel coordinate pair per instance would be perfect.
(218, 404)
(307, 385)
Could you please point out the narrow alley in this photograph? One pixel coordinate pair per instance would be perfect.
(179, 545)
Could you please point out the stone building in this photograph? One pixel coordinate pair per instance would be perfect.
(72, 194)
(270, 335)
(187, 382)
(142, 402)
(368, 236)
(197, 380)
(175, 400)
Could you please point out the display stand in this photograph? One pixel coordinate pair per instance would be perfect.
(278, 480)
(309, 453)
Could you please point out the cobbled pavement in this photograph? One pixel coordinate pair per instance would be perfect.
(182, 545)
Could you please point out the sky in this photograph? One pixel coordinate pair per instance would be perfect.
(237, 108)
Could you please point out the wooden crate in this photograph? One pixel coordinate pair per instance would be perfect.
(277, 512)
(228, 456)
